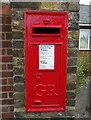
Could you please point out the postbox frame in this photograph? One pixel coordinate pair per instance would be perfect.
(27, 43)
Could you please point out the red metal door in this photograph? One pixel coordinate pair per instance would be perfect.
(46, 82)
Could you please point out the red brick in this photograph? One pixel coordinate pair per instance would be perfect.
(6, 28)
(7, 74)
(0, 52)
(4, 95)
(8, 36)
(1, 20)
(6, 44)
(10, 81)
(4, 81)
(0, 27)
(6, 19)
(2, 36)
(9, 66)
(7, 115)
(11, 95)
(0, 66)
(0, 115)
(8, 102)
(7, 59)
(4, 51)
(5, 10)
(9, 51)
(7, 88)
(3, 66)
(0, 95)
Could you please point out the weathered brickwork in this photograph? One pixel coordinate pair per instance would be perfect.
(17, 69)
(18, 54)
(6, 63)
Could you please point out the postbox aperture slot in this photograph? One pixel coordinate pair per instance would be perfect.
(46, 30)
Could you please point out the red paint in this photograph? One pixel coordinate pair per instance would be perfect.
(45, 88)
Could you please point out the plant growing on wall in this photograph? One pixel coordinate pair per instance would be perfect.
(82, 71)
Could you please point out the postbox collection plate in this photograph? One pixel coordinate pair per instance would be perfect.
(45, 60)
(46, 57)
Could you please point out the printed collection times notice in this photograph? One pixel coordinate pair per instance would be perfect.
(46, 57)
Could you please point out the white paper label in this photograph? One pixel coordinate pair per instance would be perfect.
(46, 56)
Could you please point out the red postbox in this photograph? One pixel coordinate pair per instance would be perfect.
(45, 60)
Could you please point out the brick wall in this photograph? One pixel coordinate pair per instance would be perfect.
(18, 55)
(6, 66)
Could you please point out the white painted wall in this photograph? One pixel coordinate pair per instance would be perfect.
(85, 2)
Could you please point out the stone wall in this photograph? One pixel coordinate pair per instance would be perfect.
(18, 54)
(18, 57)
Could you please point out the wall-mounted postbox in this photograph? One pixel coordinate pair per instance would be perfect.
(45, 60)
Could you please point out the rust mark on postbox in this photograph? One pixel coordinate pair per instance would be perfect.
(46, 60)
